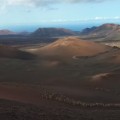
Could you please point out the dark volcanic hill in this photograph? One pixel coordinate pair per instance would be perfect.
(7, 32)
(11, 52)
(53, 32)
(87, 30)
(106, 31)
(24, 33)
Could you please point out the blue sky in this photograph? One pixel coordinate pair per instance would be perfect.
(55, 12)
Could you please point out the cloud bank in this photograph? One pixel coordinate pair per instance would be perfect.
(42, 3)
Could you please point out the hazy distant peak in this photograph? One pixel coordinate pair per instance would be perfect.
(109, 26)
(6, 32)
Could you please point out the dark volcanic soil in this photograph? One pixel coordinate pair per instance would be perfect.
(11, 110)
(51, 87)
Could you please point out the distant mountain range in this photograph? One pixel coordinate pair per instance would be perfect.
(42, 32)
(103, 32)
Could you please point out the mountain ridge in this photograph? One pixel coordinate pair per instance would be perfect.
(106, 31)
(53, 32)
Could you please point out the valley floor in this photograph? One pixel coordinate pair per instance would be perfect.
(52, 87)
(49, 110)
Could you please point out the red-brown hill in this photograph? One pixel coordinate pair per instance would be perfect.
(71, 46)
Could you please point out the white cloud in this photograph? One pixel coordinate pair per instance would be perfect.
(45, 4)
(106, 18)
(117, 17)
(81, 20)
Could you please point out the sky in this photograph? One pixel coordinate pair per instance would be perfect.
(58, 12)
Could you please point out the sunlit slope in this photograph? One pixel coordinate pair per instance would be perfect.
(71, 46)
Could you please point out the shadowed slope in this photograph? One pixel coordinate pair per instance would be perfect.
(11, 52)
